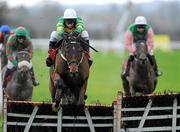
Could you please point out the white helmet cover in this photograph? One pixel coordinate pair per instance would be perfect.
(140, 20)
(70, 14)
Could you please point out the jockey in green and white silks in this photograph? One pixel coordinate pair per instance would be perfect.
(139, 30)
(69, 23)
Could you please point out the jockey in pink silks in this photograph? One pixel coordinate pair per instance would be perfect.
(139, 30)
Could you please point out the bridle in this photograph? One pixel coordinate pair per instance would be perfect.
(72, 62)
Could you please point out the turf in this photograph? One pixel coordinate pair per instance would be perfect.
(104, 80)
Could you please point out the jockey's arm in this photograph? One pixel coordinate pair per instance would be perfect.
(60, 27)
(129, 42)
(54, 39)
(30, 48)
(9, 51)
(150, 39)
(1, 37)
(79, 25)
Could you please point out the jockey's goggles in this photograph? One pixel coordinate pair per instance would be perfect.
(21, 37)
(140, 26)
(70, 21)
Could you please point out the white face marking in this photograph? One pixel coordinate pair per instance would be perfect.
(73, 48)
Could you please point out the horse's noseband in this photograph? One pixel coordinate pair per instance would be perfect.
(71, 62)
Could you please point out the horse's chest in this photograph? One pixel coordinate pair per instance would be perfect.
(73, 79)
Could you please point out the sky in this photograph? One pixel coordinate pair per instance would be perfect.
(13, 3)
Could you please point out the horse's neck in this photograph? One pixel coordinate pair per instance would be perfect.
(142, 70)
(19, 78)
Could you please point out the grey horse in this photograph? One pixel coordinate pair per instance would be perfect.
(20, 86)
(142, 78)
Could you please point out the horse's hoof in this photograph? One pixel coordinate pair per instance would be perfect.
(85, 97)
(55, 108)
(81, 103)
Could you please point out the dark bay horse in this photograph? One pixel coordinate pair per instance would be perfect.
(68, 80)
(142, 78)
(20, 86)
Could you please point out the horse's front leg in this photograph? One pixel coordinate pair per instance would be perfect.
(59, 84)
(57, 100)
(131, 89)
(82, 93)
(125, 85)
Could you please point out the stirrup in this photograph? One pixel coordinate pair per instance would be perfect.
(90, 61)
(125, 73)
(158, 73)
(35, 83)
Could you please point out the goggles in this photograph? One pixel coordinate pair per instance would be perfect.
(70, 21)
(140, 26)
(21, 37)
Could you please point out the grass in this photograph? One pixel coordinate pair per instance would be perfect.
(104, 80)
(1, 123)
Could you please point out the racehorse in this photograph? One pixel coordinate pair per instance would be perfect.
(68, 80)
(4, 59)
(142, 78)
(20, 86)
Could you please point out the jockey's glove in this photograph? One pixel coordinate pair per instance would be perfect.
(49, 61)
(65, 35)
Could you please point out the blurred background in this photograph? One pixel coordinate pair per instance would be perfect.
(106, 21)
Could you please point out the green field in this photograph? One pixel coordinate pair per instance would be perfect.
(104, 81)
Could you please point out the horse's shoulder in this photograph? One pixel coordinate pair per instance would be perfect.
(58, 54)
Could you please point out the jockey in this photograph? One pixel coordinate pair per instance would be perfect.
(4, 35)
(140, 30)
(5, 32)
(18, 42)
(69, 23)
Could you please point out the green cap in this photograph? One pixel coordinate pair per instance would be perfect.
(20, 31)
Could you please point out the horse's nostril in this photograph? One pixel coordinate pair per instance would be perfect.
(74, 75)
(73, 68)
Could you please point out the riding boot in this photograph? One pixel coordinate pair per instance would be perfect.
(51, 52)
(154, 64)
(35, 82)
(126, 70)
(7, 73)
(90, 61)
(86, 48)
(58, 95)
